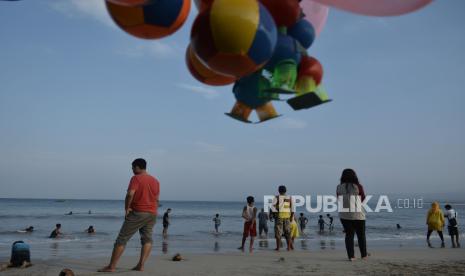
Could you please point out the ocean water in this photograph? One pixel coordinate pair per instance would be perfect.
(191, 230)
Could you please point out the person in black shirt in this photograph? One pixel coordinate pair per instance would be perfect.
(56, 233)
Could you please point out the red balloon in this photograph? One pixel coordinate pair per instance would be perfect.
(285, 12)
(129, 2)
(310, 66)
(203, 4)
(204, 74)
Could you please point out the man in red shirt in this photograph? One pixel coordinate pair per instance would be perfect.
(141, 206)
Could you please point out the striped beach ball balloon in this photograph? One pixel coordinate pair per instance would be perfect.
(204, 74)
(234, 38)
(152, 20)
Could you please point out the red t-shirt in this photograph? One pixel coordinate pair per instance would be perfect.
(146, 191)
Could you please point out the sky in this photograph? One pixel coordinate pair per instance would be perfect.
(80, 99)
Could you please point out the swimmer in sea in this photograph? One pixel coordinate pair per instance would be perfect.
(30, 229)
(56, 233)
(90, 230)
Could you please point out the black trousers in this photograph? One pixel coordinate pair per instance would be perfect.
(352, 227)
(428, 235)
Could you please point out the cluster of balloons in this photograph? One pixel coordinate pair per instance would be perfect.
(260, 46)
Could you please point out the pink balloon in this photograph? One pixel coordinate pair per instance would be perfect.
(377, 7)
(315, 13)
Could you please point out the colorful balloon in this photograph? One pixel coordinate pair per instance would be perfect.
(285, 12)
(204, 74)
(315, 13)
(203, 4)
(377, 7)
(234, 37)
(152, 20)
(303, 32)
(286, 49)
(129, 2)
(311, 67)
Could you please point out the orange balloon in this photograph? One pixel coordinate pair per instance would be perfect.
(150, 20)
(204, 74)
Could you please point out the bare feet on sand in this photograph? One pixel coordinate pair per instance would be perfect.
(138, 268)
(107, 269)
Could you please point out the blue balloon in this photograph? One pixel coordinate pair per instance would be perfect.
(286, 49)
(304, 32)
(247, 89)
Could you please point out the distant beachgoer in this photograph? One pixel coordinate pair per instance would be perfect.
(331, 222)
(435, 222)
(141, 213)
(452, 225)
(90, 230)
(217, 222)
(398, 227)
(302, 222)
(30, 229)
(285, 213)
(294, 231)
(90, 212)
(321, 224)
(166, 222)
(353, 221)
(56, 233)
(249, 214)
(263, 222)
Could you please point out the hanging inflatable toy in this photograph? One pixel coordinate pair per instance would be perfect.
(152, 20)
(309, 89)
(204, 74)
(247, 91)
(234, 38)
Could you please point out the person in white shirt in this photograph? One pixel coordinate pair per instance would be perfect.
(452, 225)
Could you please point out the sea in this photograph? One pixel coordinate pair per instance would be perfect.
(191, 230)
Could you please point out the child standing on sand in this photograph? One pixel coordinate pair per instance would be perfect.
(249, 213)
(435, 222)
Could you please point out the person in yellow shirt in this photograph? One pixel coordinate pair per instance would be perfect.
(435, 222)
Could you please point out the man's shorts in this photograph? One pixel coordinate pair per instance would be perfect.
(453, 231)
(250, 229)
(137, 221)
(282, 227)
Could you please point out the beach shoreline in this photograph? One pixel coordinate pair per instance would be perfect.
(402, 261)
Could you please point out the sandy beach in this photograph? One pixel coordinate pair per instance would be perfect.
(381, 262)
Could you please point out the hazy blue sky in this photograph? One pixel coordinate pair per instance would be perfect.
(80, 99)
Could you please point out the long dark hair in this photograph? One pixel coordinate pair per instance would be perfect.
(349, 177)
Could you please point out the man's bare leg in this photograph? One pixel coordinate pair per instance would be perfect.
(115, 256)
(144, 255)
